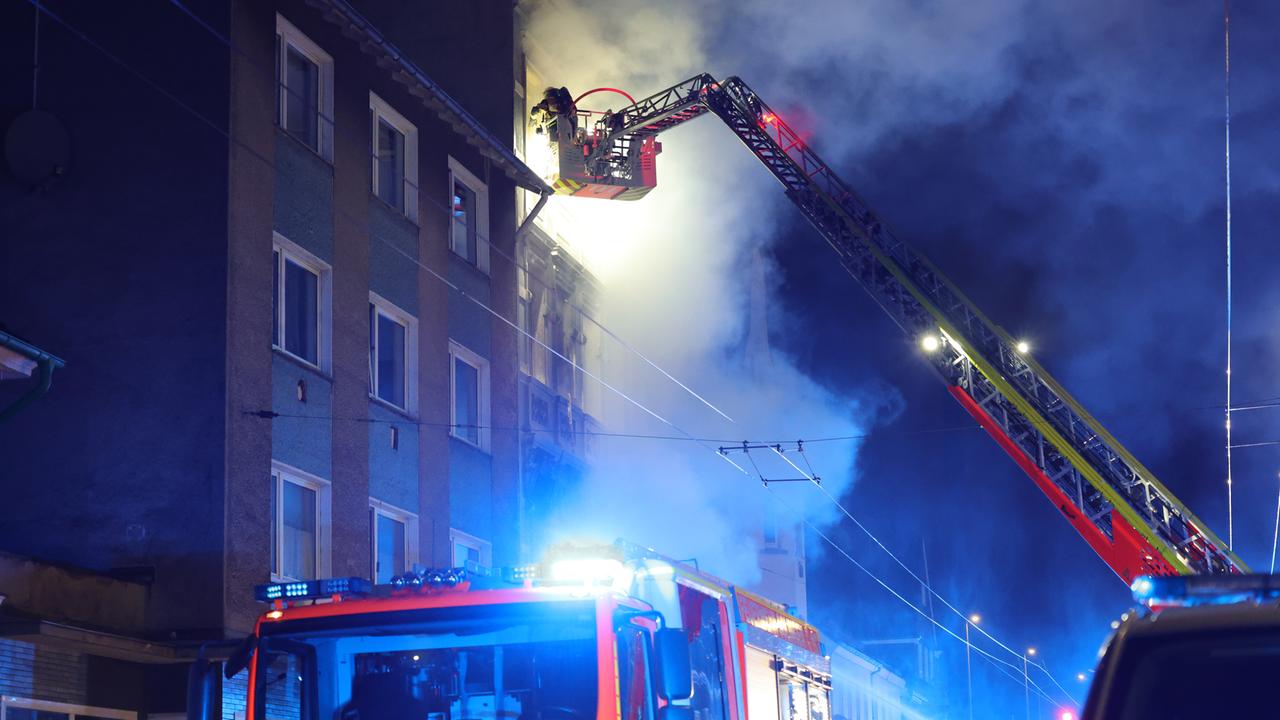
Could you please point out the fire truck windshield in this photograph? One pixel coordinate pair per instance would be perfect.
(526, 661)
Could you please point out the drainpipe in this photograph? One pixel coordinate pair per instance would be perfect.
(520, 439)
(45, 363)
(528, 220)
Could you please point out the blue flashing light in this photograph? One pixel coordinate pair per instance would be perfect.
(312, 589)
(1187, 590)
(432, 579)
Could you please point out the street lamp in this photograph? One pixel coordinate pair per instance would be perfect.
(973, 619)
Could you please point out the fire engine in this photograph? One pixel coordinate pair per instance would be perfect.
(606, 633)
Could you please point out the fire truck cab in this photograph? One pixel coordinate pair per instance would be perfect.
(608, 637)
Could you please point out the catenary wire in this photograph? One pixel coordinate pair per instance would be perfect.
(269, 163)
(835, 501)
(269, 73)
(888, 588)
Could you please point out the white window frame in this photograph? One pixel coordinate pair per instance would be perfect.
(459, 173)
(289, 35)
(460, 352)
(409, 520)
(379, 109)
(382, 306)
(324, 303)
(467, 540)
(324, 514)
(71, 710)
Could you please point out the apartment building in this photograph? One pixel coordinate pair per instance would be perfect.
(275, 244)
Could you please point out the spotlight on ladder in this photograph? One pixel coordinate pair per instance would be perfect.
(930, 344)
(1023, 347)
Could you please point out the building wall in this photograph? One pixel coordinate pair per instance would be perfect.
(119, 267)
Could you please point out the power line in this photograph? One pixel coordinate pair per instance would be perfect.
(270, 74)
(981, 651)
(270, 163)
(901, 564)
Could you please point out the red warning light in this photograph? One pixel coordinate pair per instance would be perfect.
(769, 118)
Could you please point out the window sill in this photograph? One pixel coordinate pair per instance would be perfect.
(462, 259)
(388, 405)
(304, 364)
(398, 212)
(470, 444)
(302, 143)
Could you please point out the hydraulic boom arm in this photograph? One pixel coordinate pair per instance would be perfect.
(1129, 518)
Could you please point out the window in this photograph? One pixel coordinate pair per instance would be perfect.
(304, 73)
(394, 540)
(300, 303)
(524, 319)
(633, 677)
(469, 548)
(393, 354)
(299, 527)
(16, 708)
(470, 383)
(469, 219)
(395, 158)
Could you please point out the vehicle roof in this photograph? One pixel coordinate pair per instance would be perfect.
(419, 600)
(1176, 620)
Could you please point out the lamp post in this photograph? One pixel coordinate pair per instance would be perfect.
(1026, 679)
(973, 619)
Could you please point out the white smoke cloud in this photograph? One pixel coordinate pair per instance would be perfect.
(677, 270)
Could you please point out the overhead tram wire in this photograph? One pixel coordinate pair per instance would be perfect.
(812, 477)
(84, 37)
(888, 588)
(270, 74)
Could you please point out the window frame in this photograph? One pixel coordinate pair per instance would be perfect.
(290, 250)
(379, 508)
(324, 512)
(459, 173)
(288, 35)
(381, 306)
(458, 352)
(467, 540)
(71, 710)
(379, 109)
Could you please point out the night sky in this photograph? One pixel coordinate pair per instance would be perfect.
(1081, 204)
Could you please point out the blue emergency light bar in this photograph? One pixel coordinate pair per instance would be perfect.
(1187, 590)
(312, 589)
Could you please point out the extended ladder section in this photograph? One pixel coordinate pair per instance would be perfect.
(1129, 518)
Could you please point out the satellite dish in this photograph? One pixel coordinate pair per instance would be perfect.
(37, 148)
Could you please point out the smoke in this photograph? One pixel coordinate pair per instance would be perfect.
(686, 278)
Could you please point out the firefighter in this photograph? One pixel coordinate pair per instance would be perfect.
(556, 103)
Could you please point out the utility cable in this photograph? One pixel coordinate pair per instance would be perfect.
(270, 74)
(810, 476)
(981, 651)
(269, 163)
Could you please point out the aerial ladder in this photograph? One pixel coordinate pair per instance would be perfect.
(1133, 522)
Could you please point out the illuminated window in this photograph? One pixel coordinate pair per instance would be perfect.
(395, 158)
(393, 354)
(299, 524)
(469, 216)
(300, 303)
(304, 75)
